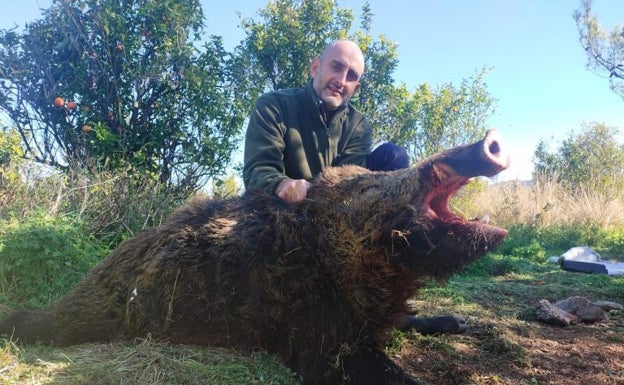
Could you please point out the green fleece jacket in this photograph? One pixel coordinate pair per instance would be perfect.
(287, 136)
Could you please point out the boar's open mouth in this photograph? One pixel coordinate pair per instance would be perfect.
(449, 172)
(436, 205)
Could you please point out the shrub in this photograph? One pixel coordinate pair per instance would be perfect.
(11, 154)
(115, 205)
(42, 258)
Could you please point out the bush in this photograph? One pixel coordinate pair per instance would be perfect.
(115, 205)
(11, 154)
(42, 258)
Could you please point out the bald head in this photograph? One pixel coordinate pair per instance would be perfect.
(337, 72)
(347, 48)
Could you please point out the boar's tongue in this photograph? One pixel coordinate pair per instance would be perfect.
(453, 168)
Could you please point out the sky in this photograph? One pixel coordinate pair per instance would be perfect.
(537, 67)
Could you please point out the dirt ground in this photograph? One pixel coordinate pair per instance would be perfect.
(520, 352)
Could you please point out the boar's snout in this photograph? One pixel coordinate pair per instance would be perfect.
(493, 154)
(486, 157)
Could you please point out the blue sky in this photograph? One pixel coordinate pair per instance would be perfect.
(537, 74)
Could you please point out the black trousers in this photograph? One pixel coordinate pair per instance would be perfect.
(387, 157)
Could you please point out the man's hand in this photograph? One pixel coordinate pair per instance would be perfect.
(292, 190)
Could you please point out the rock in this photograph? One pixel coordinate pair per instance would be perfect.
(554, 315)
(608, 305)
(583, 308)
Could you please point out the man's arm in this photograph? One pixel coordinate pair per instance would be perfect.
(263, 164)
(356, 144)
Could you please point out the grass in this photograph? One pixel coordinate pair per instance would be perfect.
(548, 203)
(138, 362)
(55, 256)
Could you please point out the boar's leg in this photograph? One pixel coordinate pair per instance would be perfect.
(373, 367)
(444, 324)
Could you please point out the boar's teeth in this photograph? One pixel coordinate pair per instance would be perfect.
(460, 215)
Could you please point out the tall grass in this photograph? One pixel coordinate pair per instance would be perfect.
(111, 205)
(546, 202)
(545, 218)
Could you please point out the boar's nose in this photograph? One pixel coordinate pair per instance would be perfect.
(486, 157)
(493, 154)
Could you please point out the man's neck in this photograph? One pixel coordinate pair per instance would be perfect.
(324, 111)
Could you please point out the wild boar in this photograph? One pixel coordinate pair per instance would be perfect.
(318, 283)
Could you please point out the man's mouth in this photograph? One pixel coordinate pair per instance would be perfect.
(335, 90)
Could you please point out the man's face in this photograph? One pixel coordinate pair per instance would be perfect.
(336, 74)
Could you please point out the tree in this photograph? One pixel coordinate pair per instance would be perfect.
(593, 158)
(123, 82)
(378, 95)
(437, 118)
(290, 33)
(605, 49)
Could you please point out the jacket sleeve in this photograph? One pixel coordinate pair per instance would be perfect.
(263, 164)
(357, 145)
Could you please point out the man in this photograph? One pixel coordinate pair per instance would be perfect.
(293, 134)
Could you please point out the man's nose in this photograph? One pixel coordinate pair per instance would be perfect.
(342, 78)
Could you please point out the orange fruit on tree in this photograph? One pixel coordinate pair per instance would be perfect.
(86, 128)
(59, 102)
(71, 105)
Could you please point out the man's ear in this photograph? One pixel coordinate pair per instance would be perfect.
(314, 67)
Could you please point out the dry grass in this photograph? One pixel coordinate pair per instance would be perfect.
(113, 205)
(548, 203)
(142, 362)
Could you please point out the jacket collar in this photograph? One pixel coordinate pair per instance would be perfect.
(315, 101)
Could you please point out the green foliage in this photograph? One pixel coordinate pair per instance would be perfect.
(11, 154)
(289, 34)
(111, 205)
(529, 239)
(528, 247)
(226, 188)
(56, 227)
(398, 341)
(378, 97)
(135, 74)
(605, 49)
(10, 148)
(115, 205)
(611, 242)
(465, 202)
(592, 159)
(497, 265)
(438, 118)
(42, 258)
